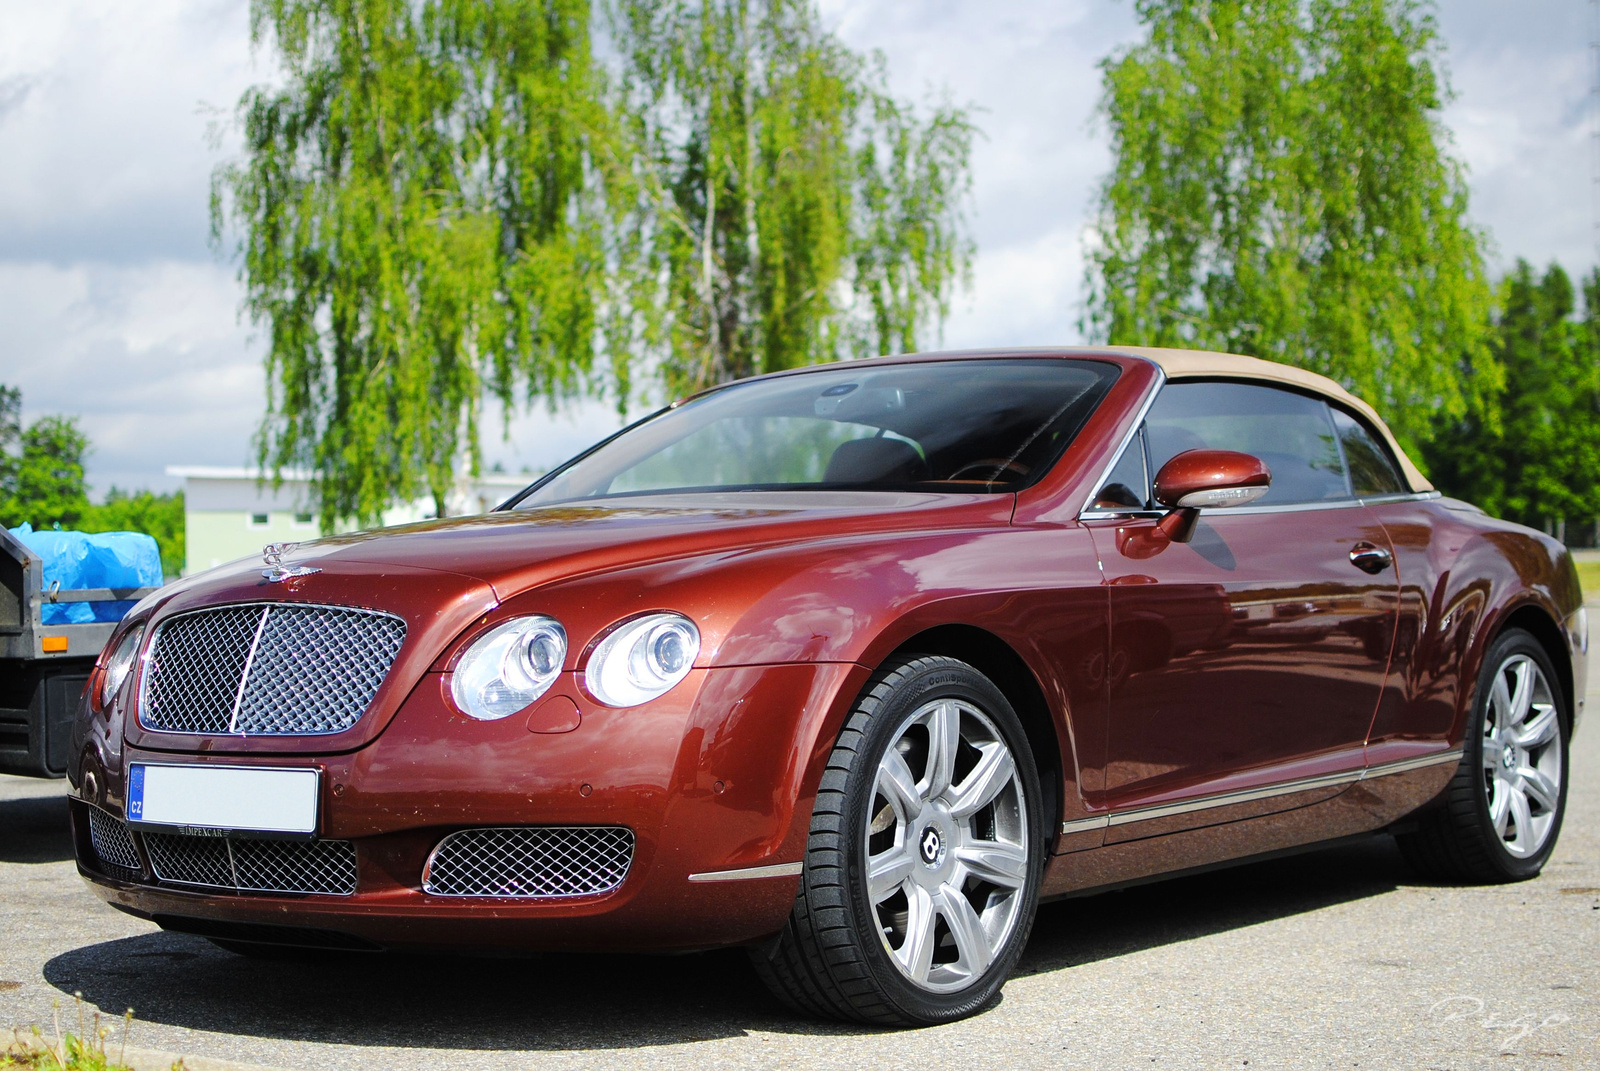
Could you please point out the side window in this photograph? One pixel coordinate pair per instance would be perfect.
(1372, 469)
(1128, 486)
(1292, 433)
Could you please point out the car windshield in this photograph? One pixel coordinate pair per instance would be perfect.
(967, 426)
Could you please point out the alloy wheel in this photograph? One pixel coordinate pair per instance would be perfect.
(947, 852)
(1521, 756)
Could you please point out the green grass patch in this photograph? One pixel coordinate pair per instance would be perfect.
(1589, 577)
(87, 1050)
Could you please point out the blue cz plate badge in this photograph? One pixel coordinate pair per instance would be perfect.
(136, 793)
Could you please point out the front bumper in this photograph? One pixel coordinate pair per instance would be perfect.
(710, 779)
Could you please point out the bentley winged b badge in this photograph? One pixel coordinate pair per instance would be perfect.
(276, 571)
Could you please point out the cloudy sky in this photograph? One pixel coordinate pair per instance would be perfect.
(114, 308)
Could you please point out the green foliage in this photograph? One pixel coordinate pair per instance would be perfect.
(1282, 187)
(158, 516)
(446, 198)
(68, 1053)
(1529, 448)
(48, 489)
(42, 483)
(415, 230)
(84, 1051)
(786, 209)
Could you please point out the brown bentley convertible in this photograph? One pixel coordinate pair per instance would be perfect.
(852, 666)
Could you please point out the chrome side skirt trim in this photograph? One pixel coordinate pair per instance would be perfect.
(1421, 762)
(1206, 803)
(1285, 788)
(775, 870)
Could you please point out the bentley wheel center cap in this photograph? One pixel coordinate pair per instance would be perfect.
(932, 847)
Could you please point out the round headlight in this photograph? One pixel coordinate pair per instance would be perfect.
(508, 667)
(642, 659)
(119, 664)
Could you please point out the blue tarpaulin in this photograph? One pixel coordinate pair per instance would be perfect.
(79, 560)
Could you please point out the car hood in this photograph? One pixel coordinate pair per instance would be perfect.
(515, 550)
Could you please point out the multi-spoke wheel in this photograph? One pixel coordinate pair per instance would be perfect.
(1502, 812)
(923, 865)
(1523, 764)
(946, 845)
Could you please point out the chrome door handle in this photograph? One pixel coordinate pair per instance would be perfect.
(1369, 558)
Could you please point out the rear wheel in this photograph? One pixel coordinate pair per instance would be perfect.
(923, 865)
(1503, 810)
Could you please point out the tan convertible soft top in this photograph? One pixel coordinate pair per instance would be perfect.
(1190, 364)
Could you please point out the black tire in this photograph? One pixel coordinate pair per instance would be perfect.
(831, 959)
(1457, 841)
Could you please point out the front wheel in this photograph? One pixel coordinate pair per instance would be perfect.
(923, 864)
(1503, 810)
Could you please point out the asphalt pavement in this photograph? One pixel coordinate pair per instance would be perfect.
(1339, 958)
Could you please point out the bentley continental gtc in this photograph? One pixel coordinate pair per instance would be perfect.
(851, 666)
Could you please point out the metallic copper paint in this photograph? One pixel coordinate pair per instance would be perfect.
(799, 597)
(1207, 470)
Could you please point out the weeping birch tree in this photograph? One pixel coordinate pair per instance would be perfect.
(443, 201)
(1283, 187)
(787, 208)
(415, 209)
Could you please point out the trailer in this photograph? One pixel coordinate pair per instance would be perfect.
(43, 668)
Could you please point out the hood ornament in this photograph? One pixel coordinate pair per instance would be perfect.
(276, 572)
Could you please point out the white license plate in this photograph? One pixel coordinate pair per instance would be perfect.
(224, 798)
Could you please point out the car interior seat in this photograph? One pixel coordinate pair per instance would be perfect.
(878, 460)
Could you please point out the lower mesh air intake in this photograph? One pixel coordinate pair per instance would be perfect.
(287, 866)
(113, 842)
(530, 862)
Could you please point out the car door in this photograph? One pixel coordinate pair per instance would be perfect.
(1245, 665)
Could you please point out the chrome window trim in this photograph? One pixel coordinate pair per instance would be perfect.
(1285, 507)
(772, 870)
(1138, 422)
(1402, 496)
(1231, 511)
(1282, 788)
(1293, 507)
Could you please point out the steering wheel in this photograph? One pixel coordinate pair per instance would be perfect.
(998, 464)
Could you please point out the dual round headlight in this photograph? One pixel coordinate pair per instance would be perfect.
(514, 663)
(509, 667)
(642, 659)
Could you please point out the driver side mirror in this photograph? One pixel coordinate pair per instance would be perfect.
(1209, 479)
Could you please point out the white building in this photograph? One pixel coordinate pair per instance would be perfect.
(230, 513)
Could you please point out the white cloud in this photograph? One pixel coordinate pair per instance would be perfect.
(149, 356)
(112, 306)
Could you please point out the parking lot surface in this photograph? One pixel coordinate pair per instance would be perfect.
(1336, 958)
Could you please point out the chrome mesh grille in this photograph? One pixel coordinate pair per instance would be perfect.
(278, 669)
(288, 866)
(113, 843)
(530, 862)
(190, 860)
